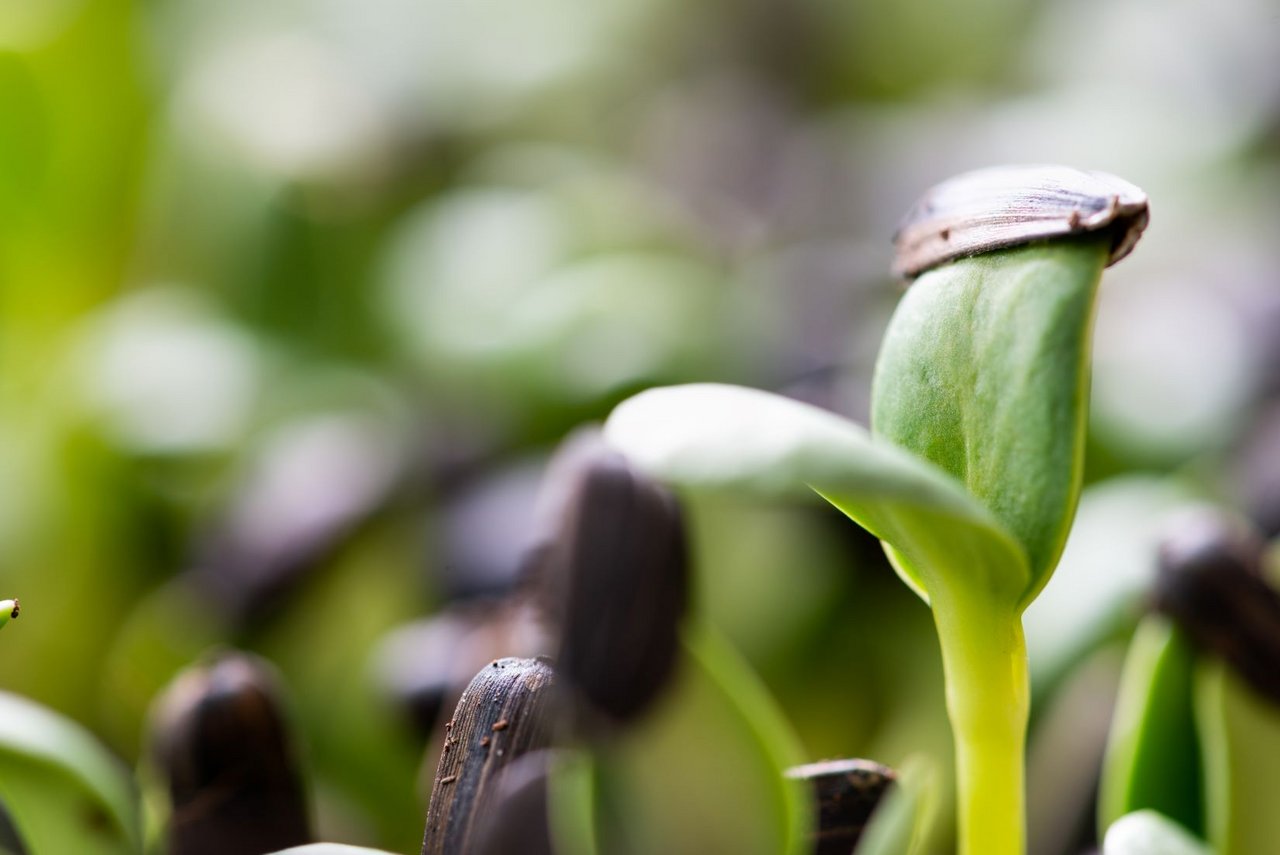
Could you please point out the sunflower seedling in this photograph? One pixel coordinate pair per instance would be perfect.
(972, 473)
(1196, 733)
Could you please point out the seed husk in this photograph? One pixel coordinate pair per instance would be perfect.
(1005, 206)
(221, 738)
(617, 582)
(1210, 582)
(847, 792)
(519, 694)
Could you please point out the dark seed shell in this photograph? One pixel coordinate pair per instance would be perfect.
(617, 582)
(1006, 206)
(847, 792)
(223, 742)
(1210, 583)
(507, 711)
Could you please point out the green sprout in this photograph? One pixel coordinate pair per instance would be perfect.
(973, 472)
(8, 611)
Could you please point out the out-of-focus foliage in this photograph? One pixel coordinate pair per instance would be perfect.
(65, 792)
(1148, 833)
(641, 806)
(281, 283)
(1153, 757)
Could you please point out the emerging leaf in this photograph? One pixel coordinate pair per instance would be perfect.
(1152, 759)
(1240, 738)
(984, 371)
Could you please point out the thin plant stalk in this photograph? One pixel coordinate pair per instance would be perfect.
(988, 699)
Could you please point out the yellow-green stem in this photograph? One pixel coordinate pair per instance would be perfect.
(985, 660)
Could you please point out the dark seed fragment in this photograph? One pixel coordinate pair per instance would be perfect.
(466, 778)
(847, 792)
(1210, 583)
(617, 582)
(221, 739)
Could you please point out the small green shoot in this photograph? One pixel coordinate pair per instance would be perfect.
(1153, 754)
(1240, 738)
(8, 611)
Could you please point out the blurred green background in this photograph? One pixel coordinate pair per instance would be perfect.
(296, 297)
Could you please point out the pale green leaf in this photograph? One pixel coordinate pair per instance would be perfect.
(715, 437)
(64, 791)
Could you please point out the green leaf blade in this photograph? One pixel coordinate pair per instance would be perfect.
(1152, 759)
(984, 371)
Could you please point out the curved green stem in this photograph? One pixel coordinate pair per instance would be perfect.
(988, 697)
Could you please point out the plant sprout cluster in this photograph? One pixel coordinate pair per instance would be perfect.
(536, 427)
(969, 477)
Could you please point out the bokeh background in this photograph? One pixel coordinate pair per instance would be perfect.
(296, 298)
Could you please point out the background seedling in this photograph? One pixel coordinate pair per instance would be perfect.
(1196, 734)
